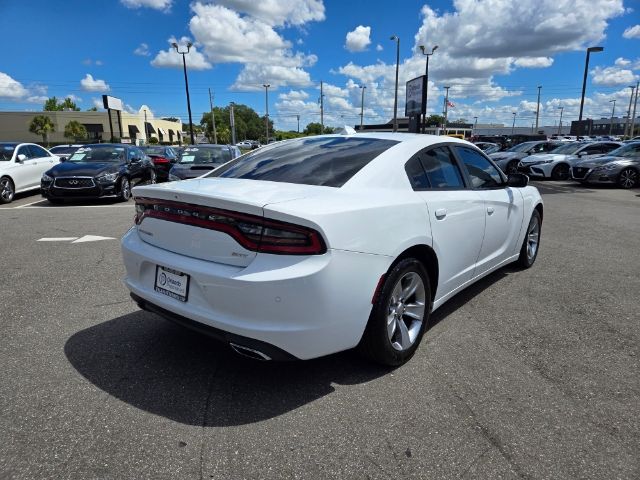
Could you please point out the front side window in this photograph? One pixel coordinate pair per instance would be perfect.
(24, 150)
(481, 172)
(441, 169)
(322, 161)
(38, 152)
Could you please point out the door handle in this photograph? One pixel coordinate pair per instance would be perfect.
(441, 213)
(490, 210)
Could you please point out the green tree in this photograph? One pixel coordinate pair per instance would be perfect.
(313, 128)
(171, 119)
(92, 109)
(435, 120)
(249, 125)
(52, 105)
(42, 125)
(153, 141)
(75, 130)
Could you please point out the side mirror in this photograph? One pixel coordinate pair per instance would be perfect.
(22, 157)
(517, 180)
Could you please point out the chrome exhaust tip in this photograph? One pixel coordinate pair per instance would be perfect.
(249, 352)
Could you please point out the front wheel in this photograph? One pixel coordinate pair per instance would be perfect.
(125, 189)
(153, 177)
(512, 167)
(399, 316)
(531, 243)
(628, 178)
(7, 190)
(560, 172)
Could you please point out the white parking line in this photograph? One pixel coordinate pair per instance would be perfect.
(27, 204)
(57, 239)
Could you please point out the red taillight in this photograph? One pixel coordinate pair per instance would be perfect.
(158, 160)
(253, 232)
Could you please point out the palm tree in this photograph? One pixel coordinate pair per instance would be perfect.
(75, 130)
(42, 125)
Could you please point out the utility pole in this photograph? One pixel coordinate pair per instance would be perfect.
(298, 118)
(584, 84)
(628, 122)
(146, 128)
(395, 101)
(266, 117)
(475, 125)
(446, 108)
(321, 108)
(613, 112)
(232, 121)
(513, 126)
(538, 107)
(213, 119)
(186, 84)
(362, 87)
(560, 124)
(633, 115)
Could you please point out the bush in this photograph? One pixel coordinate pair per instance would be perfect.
(153, 141)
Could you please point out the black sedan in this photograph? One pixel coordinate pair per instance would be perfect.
(163, 158)
(99, 170)
(199, 159)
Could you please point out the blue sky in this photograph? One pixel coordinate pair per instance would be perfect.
(493, 54)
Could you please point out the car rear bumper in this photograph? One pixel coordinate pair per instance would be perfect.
(305, 306)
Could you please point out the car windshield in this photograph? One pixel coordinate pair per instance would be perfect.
(154, 150)
(522, 147)
(205, 155)
(568, 149)
(63, 149)
(6, 151)
(98, 153)
(629, 150)
(325, 161)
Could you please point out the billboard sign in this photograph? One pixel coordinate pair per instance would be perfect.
(416, 97)
(112, 103)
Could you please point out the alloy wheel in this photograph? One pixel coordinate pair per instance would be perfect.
(6, 190)
(125, 189)
(533, 238)
(560, 172)
(405, 312)
(628, 178)
(152, 177)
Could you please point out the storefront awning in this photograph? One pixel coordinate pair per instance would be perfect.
(161, 130)
(133, 129)
(149, 127)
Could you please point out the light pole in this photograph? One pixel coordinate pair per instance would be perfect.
(513, 126)
(475, 125)
(626, 124)
(266, 101)
(395, 102)
(633, 115)
(538, 107)
(426, 74)
(560, 124)
(362, 87)
(186, 83)
(584, 84)
(298, 117)
(613, 111)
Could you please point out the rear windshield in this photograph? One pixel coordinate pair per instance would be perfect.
(154, 150)
(322, 161)
(205, 155)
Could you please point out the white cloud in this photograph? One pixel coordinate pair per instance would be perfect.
(294, 95)
(97, 102)
(154, 4)
(73, 98)
(89, 84)
(534, 62)
(253, 76)
(171, 59)
(36, 99)
(278, 12)
(612, 76)
(142, 50)
(379, 48)
(98, 63)
(11, 89)
(358, 40)
(622, 62)
(632, 32)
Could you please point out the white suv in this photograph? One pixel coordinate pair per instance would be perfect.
(21, 168)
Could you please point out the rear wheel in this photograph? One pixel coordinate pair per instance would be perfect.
(399, 316)
(153, 178)
(7, 190)
(55, 201)
(531, 243)
(560, 172)
(125, 189)
(628, 178)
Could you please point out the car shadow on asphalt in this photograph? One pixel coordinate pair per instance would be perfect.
(170, 371)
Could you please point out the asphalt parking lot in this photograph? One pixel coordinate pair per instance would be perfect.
(527, 374)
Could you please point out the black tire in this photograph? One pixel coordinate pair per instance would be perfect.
(376, 343)
(628, 178)
(7, 190)
(526, 259)
(125, 190)
(512, 167)
(153, 177)
(560, 172)
(55, 201)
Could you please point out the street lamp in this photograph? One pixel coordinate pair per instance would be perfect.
(560, 124)
(186, 83)
(538, 107)
(475, 126)
(584, 83)
(426, 74)
(626, 124)
(513, 126)
(362, 87)
(266, 118)
(613, 111)
(395, 103)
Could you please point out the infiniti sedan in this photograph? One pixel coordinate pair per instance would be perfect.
(95, 171)
(619, 167)
(200, 159)
(320, 244)
(509, 159)
(557, 164)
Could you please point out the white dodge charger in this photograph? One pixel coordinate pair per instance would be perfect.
(322, 244)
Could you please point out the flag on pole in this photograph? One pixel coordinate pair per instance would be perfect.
(450, 104)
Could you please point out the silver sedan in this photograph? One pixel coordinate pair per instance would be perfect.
(621, 167)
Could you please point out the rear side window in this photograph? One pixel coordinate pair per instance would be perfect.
(416, 174)
(323, 161)
(441, 169)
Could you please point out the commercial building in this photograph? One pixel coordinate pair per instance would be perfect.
(602, 126)
(136, 128)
